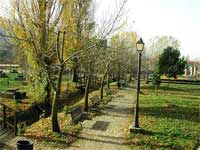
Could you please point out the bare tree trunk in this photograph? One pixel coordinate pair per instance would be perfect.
(75, 71)
(101, 87)
(54, 112)
(130, 78)
(125, 76)
(108, 82)
(118, 76)
(86, 93)
(47, 99)
(102, 80)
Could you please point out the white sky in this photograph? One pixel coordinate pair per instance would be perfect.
(149, 18)
(177, 18)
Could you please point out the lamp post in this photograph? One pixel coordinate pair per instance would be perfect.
(140, 47)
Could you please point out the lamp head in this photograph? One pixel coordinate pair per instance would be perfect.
(140, 45)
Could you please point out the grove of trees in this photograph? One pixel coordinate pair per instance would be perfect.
(51, 36)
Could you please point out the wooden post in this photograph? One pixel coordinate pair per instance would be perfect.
(4, 116)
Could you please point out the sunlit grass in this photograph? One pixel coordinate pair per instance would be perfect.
(170, 118)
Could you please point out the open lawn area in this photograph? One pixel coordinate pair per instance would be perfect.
(10, 82)
(170, 118)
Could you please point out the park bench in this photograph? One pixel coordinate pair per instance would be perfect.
(77, 115)
(13, 71)
(108, 91)
(3, 75)
(13, 93)
(122, 82)
(9, 93)
(95, 103)
(20, 95)
(20, 78)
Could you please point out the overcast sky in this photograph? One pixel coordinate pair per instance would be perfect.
(177, 18)
(149, 18)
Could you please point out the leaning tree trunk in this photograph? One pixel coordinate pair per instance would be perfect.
(130, 78)
(54, 111)
(108, 82)
(75, 70)
(86, 93)
(102, 81)
(101, 87)
(47, 99)
(75, 74)
(118, 75)
(125, 76)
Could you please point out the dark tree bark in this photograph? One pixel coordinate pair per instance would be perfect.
(47, 99)
(118, 76)
(102, 80)
(108, 81)
(57, 93)
(75, 70)
(54, 115)
(101, 87)
(86, 93)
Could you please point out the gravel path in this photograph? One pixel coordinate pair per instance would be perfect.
(107, 132)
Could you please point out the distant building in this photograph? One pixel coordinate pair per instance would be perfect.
(192, 70)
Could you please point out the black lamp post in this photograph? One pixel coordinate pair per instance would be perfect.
(140, 47)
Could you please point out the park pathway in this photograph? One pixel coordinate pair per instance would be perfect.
(107, 132)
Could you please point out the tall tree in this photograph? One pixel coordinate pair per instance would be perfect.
(33, 28)
(171, 63)
(83, 24)
(155, 47)
(38, 28)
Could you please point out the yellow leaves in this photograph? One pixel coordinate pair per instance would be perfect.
(42, 130)
(4, 23)
(130, 36)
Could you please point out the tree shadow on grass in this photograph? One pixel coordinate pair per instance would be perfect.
(175, 112)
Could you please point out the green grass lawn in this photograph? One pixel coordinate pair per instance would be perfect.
(10, 82)
(170, 118)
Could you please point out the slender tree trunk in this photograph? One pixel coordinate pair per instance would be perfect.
(129, 78)
(108, 82)
(118, 76)
(75, 73)
(54, 112)
(86, 93)
(102, 80)
(147, 78)
(101, 87)
(125, 76)
(47, 99)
